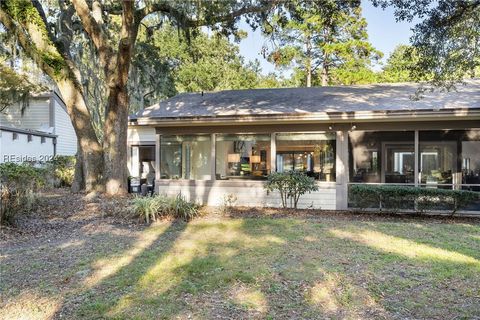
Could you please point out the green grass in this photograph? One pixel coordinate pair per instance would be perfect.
(265, 268)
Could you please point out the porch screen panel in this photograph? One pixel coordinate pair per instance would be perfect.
(185, 157)
(242, 156)
(310, 153)
(450, 159)
(382, 157)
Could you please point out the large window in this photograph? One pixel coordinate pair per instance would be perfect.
(143, 163)
(450, 158)
(185, 157)
(242, 156)
(386, 157)
(311, 153)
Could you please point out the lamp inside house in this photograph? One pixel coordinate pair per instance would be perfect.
(255, 159)
(233, 157)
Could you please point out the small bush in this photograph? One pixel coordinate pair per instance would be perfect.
(291, 185)
(62, 170)
(19, 186)
(395, 198)
(151, 208)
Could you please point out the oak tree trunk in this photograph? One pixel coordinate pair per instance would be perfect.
(91, 151)
(115, 141)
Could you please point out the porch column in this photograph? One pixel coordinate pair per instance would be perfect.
(213, 174)
(273, 153)
(341, 168)
(157, 156)
(417, 157)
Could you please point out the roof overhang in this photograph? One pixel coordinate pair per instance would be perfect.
(320, 117)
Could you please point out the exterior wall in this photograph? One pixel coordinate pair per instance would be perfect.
(36, 116)
(251, 193)
(248, 193)
(67, 139)
(21, 150)
(45, 114)
(138, 135)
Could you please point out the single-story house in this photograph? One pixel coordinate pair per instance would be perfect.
(43, 131)
(209, 145)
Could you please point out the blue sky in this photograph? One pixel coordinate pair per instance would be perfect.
(384, 33)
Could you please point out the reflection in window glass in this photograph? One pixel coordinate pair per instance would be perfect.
(386, 156)
(185, 157)
(311, 153)
(449, 157)
(242, 156)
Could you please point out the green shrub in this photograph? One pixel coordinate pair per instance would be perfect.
(62, 170)
(395, 198)
(291, 185)
(19, 186)
(151, 208)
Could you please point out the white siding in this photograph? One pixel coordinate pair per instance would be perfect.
(36, 116)
(248, 193)
(66, 140)
(21, 149)
(140, 134)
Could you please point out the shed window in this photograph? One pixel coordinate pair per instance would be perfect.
(29, 138)
(14, 136)
(43, 139)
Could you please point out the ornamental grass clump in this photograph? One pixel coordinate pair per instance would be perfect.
(152, 208)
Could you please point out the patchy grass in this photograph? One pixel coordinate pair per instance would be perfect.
(266, 268)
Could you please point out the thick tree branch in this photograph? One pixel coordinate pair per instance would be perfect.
(183, 19)
(94, 30)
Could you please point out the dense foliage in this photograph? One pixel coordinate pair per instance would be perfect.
(15, 88)
(151, 208)
(325, 42)
(62, 170)
(19, 187)
(447, 38)
(397, 198)
(290, 185)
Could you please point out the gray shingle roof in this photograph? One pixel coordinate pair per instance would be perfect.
(376, 97)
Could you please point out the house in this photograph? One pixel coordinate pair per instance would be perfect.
(43, 131)
(209, 145)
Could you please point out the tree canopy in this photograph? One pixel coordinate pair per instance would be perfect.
(326, 43)
(446, 40)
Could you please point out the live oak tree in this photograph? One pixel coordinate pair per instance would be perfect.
(327, 42)
(16, 88)
(446, 38)
(48, 38)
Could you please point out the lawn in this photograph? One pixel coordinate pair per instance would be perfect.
(309, 266)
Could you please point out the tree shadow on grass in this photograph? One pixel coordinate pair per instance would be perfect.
(241, 268)
(274, 268)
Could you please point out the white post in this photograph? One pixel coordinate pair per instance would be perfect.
(417, 156)
(273, 153)
(341, 168)
(213, 157)
(157, 157)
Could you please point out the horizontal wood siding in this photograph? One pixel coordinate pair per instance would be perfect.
(22, 149)
(35, 117)
(248, 193)
(67, 139)
(137, 134)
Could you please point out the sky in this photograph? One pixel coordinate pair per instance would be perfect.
(384, 33)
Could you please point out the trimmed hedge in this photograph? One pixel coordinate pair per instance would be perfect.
(396, 198)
